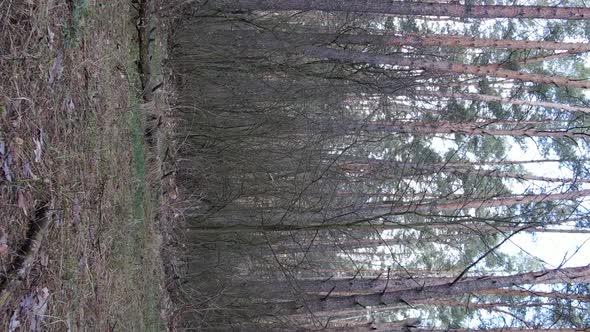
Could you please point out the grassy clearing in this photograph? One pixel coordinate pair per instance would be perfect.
(68, 78)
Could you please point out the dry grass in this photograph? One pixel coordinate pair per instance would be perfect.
(99, 258)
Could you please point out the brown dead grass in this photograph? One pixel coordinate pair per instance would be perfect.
(100, 255)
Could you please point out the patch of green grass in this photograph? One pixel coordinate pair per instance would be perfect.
(133, 244)
(72, 32)
(70, 285)
(139, 162)
(134, 206)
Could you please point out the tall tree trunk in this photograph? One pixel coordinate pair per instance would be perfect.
(468, 128)
(250, 220)
(383, 283)
(489, 330)
(536, 59)
(474, 42)
(279, 39)
(322, 246)
(502, 100)
(525, 293)
(487, 203)
(493, 306)
(383, 327)
(411, 8)
(440, 66)
(323, 303)
(526, 177)
(348, 286)
(353, 164)
(428, 169)
(481, 227)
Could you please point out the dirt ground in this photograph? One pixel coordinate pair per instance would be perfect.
(81, 203)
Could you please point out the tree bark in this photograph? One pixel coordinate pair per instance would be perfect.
(468, 171)
(486, 203)
(410, 8)
(318, 304)
(366, 162)
(502, 100)
(525, 293)
(279, 39)
(250, 220)
(441, 66)
(536, 59)
(473, 42)
(468, 128)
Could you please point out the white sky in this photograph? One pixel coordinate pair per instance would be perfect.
(554, 249)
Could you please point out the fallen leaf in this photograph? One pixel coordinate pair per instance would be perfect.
(68, 106)
(34, 307)
(3, 242)
(38, 150)
(82, 264)
(44, 259)
(71, 105)
(14, 322)
(173, 194)
(50, 38)
(28, 172)
(19, 141)
(39, 310)
(42, 137)
(26, 303)
(56, 69)
(21, 202)
(76, 209)
(6, 167)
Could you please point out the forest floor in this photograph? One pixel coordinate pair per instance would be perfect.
(81, 203)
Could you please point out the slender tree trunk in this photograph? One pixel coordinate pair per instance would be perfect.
(494, 306)
(466, 171)
(498, 174)
(411, 8)
(372, 211)
(288, 40)
(527, 177)
(473, 42)
(531, 60)
(487, 203)
(353, 164)
(367, 327)
(348, 286)
(318, 246)
(440, 66)
(482, 227)
(565, 275)
(469, 128)
(502, 100)
(384, 283)
(525, 293)
(334, 245)
(385, 328)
